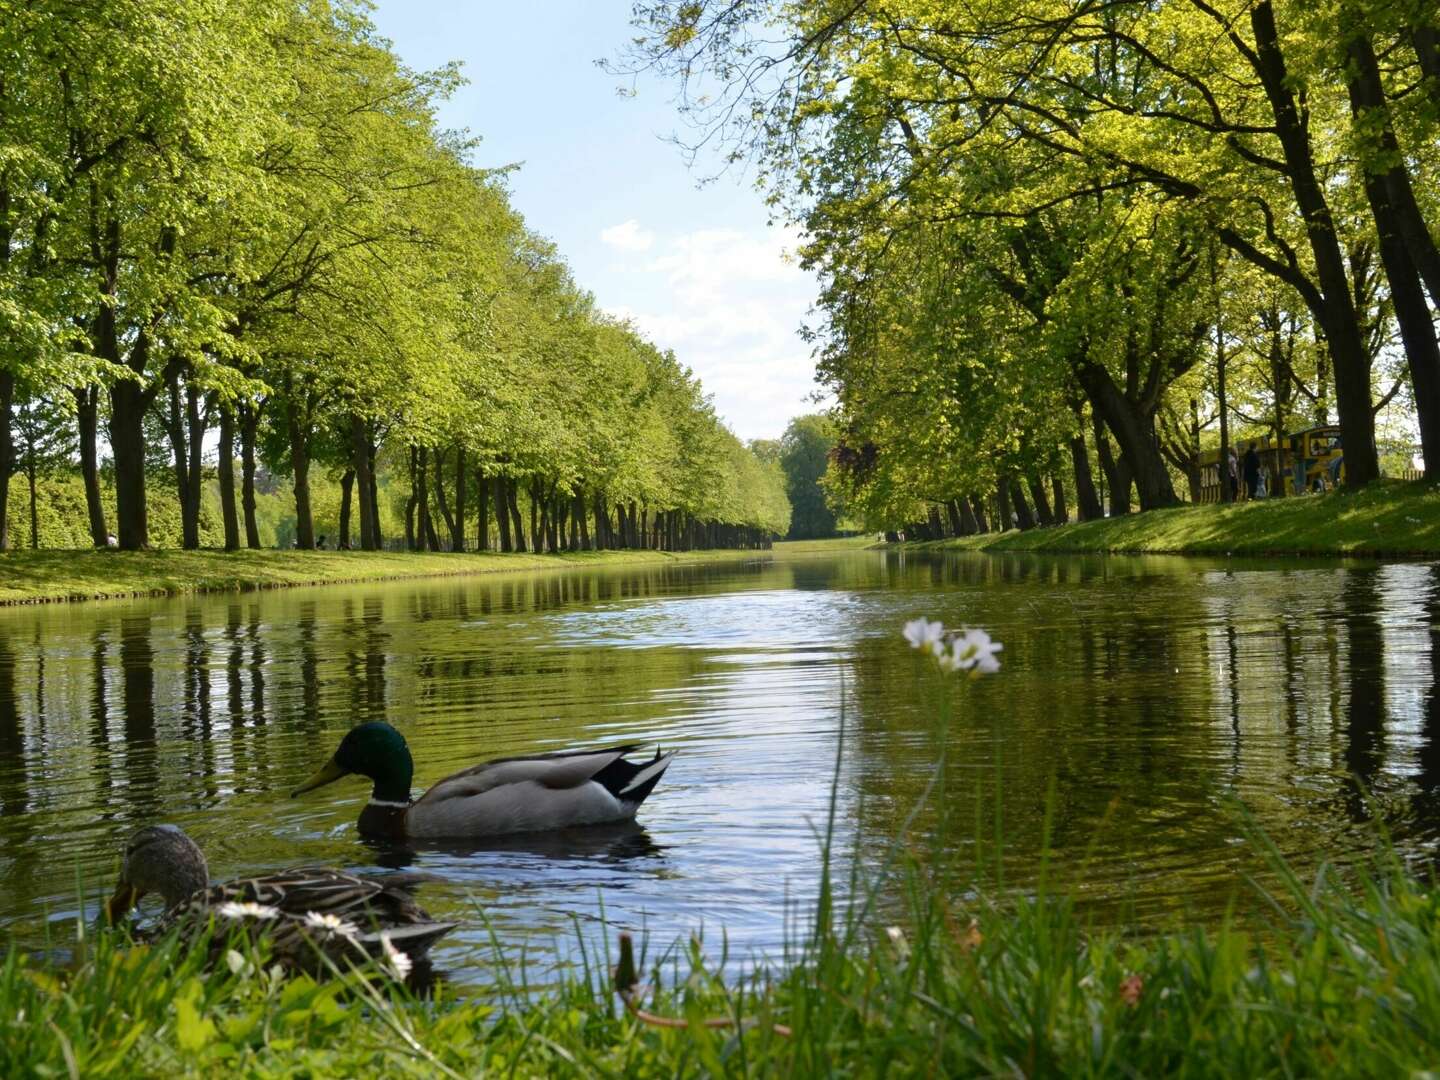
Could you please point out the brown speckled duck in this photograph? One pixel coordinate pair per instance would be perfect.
(305, 913)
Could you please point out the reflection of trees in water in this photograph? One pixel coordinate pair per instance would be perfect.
(1364, 709)
(197, 720)
(14, 759)
(140, 748)
(1427, 803)
(1103, 692)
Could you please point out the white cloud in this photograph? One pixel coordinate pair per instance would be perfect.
(730, 304)
(627, 236)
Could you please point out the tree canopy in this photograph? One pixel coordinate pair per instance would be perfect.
(242, 219)
(1058, 237)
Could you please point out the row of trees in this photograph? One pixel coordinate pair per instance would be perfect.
(238, 225)
(1052, 234)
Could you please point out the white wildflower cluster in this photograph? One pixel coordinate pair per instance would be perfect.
(331, 924)
(247, 909)
(965, 650)
(398, 962)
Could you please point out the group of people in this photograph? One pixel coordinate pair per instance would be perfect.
(1248, 476)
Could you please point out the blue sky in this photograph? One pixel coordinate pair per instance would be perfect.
(698, 270)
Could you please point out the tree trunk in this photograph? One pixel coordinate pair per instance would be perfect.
(1002, 503)
(482, 512)
(1061, 511)
(372, 505)
(87, 409)
(7, 452)
(1332, 303)
(347, 484)
(127, 445)
(1396, 214)
(537, 535)
(457, 534)
(977, 508)
(1227, 481)
(424, 526)
(364, 483)
(602, 523)
(300, 467)
(412, 541)
(225, 472)
(1042, 504)
(175, 428)
(34, 509)
(578, 516)
(937, 527)
(196, 423)
(249, 421)
(1367, 96)
(1134, 430)
(440, 499)
(502, 515)
(1085, 494)
(1118, 483)
(517, 523)
(1023, 518)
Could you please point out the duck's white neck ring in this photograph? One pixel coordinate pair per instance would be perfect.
(386, 802)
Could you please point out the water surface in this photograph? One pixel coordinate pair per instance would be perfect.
(1149, 695)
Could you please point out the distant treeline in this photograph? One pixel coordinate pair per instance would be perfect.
(238, 226)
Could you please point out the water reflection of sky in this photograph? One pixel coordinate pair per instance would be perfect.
(1139, 700)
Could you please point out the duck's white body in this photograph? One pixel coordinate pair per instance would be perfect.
(535, 794)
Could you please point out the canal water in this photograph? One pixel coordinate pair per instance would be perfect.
(1153, 709)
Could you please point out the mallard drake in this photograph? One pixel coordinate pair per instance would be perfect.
(508, 795)
(305, 913)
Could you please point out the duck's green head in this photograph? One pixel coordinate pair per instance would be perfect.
(375, 750)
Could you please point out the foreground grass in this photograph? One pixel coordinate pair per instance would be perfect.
(35, 576)
(1349, 986)
(1387, 519)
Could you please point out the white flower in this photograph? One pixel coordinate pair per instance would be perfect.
(975, 649)
(331, 924)
(247, 909)
(925, 635)
(398, 963)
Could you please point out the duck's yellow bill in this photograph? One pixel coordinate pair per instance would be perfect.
(119, 905)
(329, 773)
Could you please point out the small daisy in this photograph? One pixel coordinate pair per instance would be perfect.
(398, 963)
(246, 909)
(331, 924)
(975, 649)
(925, 635)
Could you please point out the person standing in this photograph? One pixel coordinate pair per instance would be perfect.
(1251, 468)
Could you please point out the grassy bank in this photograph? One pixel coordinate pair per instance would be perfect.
(1350, 986)
(1389, 519)
(37, 576)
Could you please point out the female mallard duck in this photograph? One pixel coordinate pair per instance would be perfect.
(305, 913)
(509, 795)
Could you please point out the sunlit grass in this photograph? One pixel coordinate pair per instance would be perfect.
(28, 576)
(1387, 519)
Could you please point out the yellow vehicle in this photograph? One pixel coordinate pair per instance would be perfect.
(1309, 460)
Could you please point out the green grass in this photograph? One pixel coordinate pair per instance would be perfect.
(1388, 519)
(1349, 984)
(833, 546)
(34, 576)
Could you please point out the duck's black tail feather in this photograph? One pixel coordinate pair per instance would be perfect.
(630, 782)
